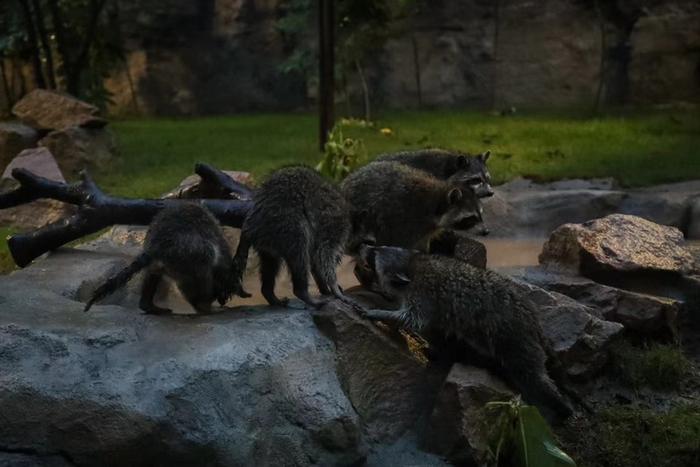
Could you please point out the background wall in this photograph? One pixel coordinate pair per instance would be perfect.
(222, 56)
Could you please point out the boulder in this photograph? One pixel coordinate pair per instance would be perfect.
(642, 313)
(50, 110)
(523, 207)
(14, 137)
(240, 387)
(39, 161)
(575, 332)
(373, 362)
(617, 243)
(40, 212)
(76, 148)
(456, 427)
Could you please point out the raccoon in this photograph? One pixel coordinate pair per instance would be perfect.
(478, 308)
(303, 220)
(184, 242)
(457, 167)
(407, 206)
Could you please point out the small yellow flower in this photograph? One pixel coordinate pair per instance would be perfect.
(386, 131)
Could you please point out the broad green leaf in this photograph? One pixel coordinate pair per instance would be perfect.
(535, 444)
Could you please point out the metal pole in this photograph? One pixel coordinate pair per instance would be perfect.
(326, 53)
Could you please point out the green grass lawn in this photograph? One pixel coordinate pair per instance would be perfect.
(639, 149)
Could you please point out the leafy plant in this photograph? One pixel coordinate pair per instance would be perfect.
(521, 431)
(341, 155)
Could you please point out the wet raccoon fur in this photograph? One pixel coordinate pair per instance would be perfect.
(457, 167)
(302, 219)
(406, 205)
(476, 307)
(184, 242)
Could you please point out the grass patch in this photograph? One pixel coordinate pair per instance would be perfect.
(660, 367)
(7, 264)
(632, 437)
(635, 149)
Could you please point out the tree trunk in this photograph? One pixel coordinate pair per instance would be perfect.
(33, 46)
(45, 45)
(365, 90)
(6, 85)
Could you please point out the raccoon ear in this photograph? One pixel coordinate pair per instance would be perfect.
(400, 279)
(484, 156)
(462, 162)
(454, 196)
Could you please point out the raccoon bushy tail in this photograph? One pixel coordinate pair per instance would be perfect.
(119, 279)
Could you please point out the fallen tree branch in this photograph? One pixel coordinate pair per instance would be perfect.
(216, 184)
(96, 211)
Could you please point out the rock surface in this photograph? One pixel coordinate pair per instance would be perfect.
(40, 212)
(78, 148)
(642, 313)
(522, 207)
(175, 390)
(50, 110)
(619, 243)
(245, 386)
(456, 428)
(14, 137)
(575, 332)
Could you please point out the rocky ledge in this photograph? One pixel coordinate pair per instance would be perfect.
(258, 385)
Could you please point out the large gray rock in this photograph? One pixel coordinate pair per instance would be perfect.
(14, 137)
(642, 313)
(523, 207)
(619, 243)
(38, 213)
(115, 387)
(76, 148)
(50, 110)
(245, 386)
(575, 332)
(372, 365)
(456, 428)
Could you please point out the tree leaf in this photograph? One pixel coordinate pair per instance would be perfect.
(535, 443)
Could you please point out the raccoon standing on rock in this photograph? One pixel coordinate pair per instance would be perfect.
(303, 220)
(475, 307)
(408, 205)
(184, 242)
(447, 165)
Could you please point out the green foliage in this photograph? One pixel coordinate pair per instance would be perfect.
(658, 366)
(341, 155)
(634, 437)
(520, 432)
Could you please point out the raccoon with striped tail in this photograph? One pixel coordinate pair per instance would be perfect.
(185, 243)
(303, 220)
(477, 308)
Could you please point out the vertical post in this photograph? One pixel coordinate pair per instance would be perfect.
(326, 53)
